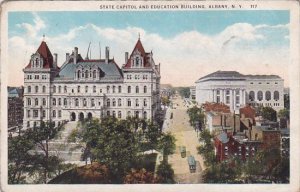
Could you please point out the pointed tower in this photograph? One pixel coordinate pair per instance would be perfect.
(142, 82)
(38, 74)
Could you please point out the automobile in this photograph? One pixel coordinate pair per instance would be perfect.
(192, 163)
(182, 151)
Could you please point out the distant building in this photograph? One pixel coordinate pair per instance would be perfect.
(193, 92)
(237, 90)
(219, 122)
(15, 107)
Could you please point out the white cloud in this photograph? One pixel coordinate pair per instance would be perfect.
(184, 58)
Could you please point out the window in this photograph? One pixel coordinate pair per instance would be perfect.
(129, 89)
(145, 89)
(129, 103)
(128, 113)
(114, 114)
(137, 102)
(276, 95)
(54, 89)
(94, 89)
(78, 89)
(35, 113)
(59, 89)
(237, 99)
(100, 90)
(92, 102)
(251, 96)
(86, 74)
(36, 77)
(59, 113)
(65, 89)
(94, 74)
(137, 114)
(78, 74)
(119, 102)
(218, 92)
(260, 95)
(44, 113)
(145, 102)
(119, 114)
(44, 101)
(107, 89)
(137, 61)
(108, 113)
(44, 89)
(218, 99)
(268, 95)
(36, 101)
(36, 89)
(28, 101)
(114, 89)
(53, 113)
(86, 89)
(76, 102)
(59, 101)
(28, 113)
(108, 103)
(65, 102)
(145, 115)
(137, 89)
(120, 89)
(114, 102)
(84, 103)
(29, 89)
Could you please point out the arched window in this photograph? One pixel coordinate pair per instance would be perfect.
(86, 74)
(145, 89)
(54, 101)
(94, 89)
(54, 89)
(44, 101)
(28, 101)
(65, 102)
(53, 113)
(137, 61)
(114, 114)
(107, 89)
(119, 102)
(129, 89)
(65, 89)
(128, 102)
(114, 102)
(145, 102)
(76, 102)
(78, 74)
(78, 89)
(108, 103)
(120, 89)
(145, 115)
(84, 103)
(59, 101)
(44, 89)
(29, 89)
(59, 89)
(92, 102)
(94, 74)
(36, 101)
(260, 95)
(137, 89)
(276, 95)
(268, 95)
(36, 89)
(251, 96)
(119, 114)
(114, 89)
(137, 102)
(82, 74)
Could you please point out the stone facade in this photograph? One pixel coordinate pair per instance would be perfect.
(236, 90)
(83, 88)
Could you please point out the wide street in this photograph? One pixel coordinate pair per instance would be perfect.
(185, 136)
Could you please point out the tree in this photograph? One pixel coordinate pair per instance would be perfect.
(165, 172)
(287, 101)
(141, 176)
(196, 116)
(167, 145)
(165, 101)
(152, 135)
(284, 113)
(269, 113)
(207, 147)
(184, 92)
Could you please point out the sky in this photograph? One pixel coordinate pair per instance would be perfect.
(188, 44)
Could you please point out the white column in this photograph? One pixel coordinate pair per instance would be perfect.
(214, 95)
(231, 100)
(222, 96)
(234, 99)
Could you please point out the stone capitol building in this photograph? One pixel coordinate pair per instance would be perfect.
(86, 88)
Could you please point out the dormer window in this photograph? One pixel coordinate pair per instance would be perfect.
(36, 62)
(137, 61)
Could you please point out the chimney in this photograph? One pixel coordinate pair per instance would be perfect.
(106, 54)
(75, 54)
(55, 60)
(67, 56)
(126, 57)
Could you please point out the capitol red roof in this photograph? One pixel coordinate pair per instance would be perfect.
(216, 107)
(45, 53)
(139, 47)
